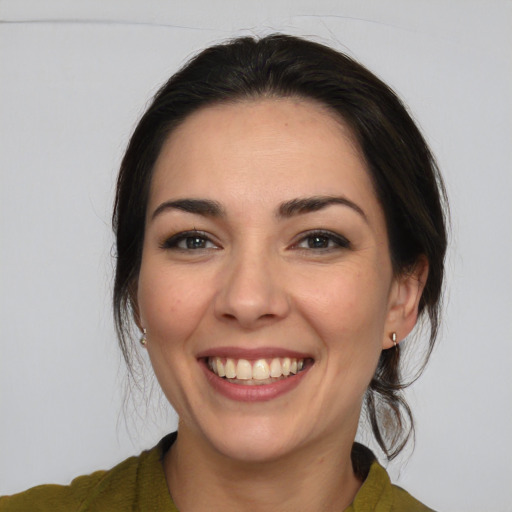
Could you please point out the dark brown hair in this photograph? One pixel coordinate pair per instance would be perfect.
(403, 170)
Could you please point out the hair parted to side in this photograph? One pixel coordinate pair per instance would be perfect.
(403, 170)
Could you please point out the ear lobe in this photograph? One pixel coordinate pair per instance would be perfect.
(404, 301)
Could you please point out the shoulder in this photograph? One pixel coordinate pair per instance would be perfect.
(53, 497)
(377, 492)
(403, 501)
(120, 488)
(80, 493)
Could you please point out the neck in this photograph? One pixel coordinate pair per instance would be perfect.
(313, 478)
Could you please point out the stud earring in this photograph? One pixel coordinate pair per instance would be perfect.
(143, 340)
(393, 339)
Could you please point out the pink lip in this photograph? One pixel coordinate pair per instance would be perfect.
(253, 393)
(252, 354)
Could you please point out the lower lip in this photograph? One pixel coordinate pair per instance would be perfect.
(253, 393)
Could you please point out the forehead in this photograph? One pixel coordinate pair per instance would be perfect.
(271, 149)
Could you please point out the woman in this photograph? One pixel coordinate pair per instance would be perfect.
(280, 229)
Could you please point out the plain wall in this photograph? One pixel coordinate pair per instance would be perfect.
(75, 77)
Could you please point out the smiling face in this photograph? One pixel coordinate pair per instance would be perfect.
(266, 285)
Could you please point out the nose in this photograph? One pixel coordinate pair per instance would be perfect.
(252, 291)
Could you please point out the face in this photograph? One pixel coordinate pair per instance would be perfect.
(266, 286)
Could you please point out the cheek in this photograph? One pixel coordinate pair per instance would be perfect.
(348, 310)
(171, 304)
(171, 308)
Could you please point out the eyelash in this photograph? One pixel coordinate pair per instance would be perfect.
(174, 241)
(338, 241)
(333, 240)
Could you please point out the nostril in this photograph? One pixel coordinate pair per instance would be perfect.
(249, 320)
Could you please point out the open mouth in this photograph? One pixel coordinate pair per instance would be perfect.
(257, 372)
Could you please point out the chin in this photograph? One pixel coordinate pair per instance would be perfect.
(264, 442)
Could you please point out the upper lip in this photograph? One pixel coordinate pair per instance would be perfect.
(252, 353)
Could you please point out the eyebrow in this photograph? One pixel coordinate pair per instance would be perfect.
(312, 204)
(205, 207)
(299, 206)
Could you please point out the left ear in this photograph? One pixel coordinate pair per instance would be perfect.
(404, 300)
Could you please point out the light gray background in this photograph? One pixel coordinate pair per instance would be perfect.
(74, 78)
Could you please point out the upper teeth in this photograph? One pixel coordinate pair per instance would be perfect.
(260, 369)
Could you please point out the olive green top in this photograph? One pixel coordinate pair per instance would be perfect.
(138, 485)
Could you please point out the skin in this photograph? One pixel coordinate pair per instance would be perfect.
(255, 281)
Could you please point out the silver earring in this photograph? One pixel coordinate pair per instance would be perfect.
(393, 339)
(143, 340)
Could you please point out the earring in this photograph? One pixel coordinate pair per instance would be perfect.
(393, 339)
(143, 340)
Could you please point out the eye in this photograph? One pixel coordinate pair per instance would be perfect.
(189, 240)
(322, 240)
